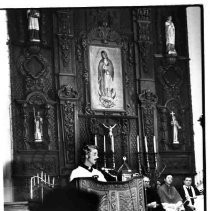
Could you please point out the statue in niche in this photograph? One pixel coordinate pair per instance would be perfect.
(170, 36)
(38, 130)
(176, 126)
(33, 25)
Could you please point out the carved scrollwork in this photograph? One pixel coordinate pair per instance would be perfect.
(64, 22)
(34, 67)
(37, 102)
(69, 122)
(147, 97)
(65, 35)
(170, 76)
(94, 126)
(88, 109)
(148, 102)
(27, 63)
(67, 91)
(143, 14)
(104, 34)
(65, 45)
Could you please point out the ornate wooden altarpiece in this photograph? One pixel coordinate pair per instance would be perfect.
(53, 77)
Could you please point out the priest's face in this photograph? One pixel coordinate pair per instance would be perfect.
(168, 179)
(188, 181)
(92, 157)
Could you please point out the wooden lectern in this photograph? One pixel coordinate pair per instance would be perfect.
(116, 196)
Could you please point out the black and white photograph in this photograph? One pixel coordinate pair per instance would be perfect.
(104, 106)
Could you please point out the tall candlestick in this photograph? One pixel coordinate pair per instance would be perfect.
(53, 181)
(42, 175)
(104, 144)
(138, 146)
(31, 189)
(145, 140)
(95, 140)
(37, 178)
(154, 142)
(112, 143)
(45, 177)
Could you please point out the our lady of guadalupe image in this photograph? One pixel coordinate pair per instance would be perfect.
(106, 90)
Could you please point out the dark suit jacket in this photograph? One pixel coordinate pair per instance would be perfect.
(151, 195)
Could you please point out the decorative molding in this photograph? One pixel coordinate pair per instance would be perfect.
(34, 67)
(148, 103)
(104, 34)
(142, 17)
(116, 196)
(41, 103)
(48, 165)
(65, 45)
(65, 35)
(69, 131)
(67, 92)
(143, 14)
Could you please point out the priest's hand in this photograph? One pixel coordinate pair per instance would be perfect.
(191, 207)
(152, 204)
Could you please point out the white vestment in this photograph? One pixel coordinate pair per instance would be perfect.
(81, 172)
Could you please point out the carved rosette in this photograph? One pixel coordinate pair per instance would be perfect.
(148, 104)
(69, 121)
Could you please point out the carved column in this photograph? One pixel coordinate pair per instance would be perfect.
(69, 115)
(148, 102)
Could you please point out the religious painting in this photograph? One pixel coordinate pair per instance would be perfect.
(106, 78)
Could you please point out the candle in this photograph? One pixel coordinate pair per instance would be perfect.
(138, 146)
(42, 175)
(145, 140)
(37, 178)
(31, 189)
(95, 140)
(155, 150)
(45, 177)
(112, 143)
(53, 182)
(48, 179)
(104, 144)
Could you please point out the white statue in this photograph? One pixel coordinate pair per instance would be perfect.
(38, 121)
(33, 24)
(170, 36)
(176, 126)
(110, 129)
(111, 135)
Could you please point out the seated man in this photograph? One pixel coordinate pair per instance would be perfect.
(152, 199)
(89, 158)
(189, 194)
(169, 196)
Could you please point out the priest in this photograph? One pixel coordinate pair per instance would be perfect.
(169, 196)
(189, 193)
(86, 169)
